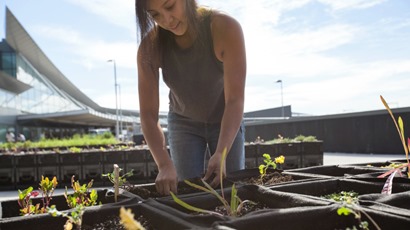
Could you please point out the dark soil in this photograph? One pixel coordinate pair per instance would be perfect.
(268, 179)
(113, 223)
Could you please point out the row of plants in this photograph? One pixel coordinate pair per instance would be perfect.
(280, 139)
(80, 141)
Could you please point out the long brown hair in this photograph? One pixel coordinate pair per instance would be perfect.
(158, 37)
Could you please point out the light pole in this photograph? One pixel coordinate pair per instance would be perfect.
(120, 108)
(116, 100)
(281, 94)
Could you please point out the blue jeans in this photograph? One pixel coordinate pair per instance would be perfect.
(192, 142)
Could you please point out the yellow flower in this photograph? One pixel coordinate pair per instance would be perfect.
(280, 159)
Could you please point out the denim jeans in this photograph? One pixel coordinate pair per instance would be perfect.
(192, 142)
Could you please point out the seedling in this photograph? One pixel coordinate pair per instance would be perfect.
(350, 205)
(26, 204)
(82, 194)
(233, 208)
(46, 188)
(270, 163)
(343, 196)
(387, 188)
(117, 180)
(121, 179)
(74, 218)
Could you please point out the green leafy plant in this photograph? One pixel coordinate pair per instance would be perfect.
(74, 218)
(76, 140)
(118, 180)
(343, 196)
(82, 194)
(233, 208)
(46, 188)
(26, 204)
(81, 198)
(387, 188)
(122, 179)
(350, 207)
(270, 163)
(349, 201)
(75, 149)
(302, 138)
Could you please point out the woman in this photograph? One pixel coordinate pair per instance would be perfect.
(201, 53)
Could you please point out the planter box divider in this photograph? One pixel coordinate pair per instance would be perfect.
(70, 164)
(26, 170)
(136, 160)
(48, 165)
(92, 166)
(7, 172)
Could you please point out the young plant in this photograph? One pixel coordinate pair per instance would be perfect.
(387, 188)
(270, 163)
(26, 204)
(75, 149)
(82, 194)
(118, 180)
(351, 207)
(343, 196)
(73, 219)
(46, 188)
(121, 179)
(233, 208)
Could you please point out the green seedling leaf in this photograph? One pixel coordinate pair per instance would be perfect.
(190, 207)
(344, 211)
(197, 186)
(234, 200)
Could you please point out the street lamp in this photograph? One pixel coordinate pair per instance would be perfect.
(116, 100)
(281, 94)
(120, 108)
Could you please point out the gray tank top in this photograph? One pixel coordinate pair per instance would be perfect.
(195, 78)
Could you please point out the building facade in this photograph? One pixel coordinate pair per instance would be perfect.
(37, 100)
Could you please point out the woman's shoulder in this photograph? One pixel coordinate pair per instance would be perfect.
(221, 21)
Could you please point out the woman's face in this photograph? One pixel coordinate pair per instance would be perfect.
(169, 14)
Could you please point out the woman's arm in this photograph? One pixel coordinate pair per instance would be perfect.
(148, 89)
(229, 46)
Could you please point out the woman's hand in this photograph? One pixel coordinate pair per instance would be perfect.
(166, 180)
(213, 171)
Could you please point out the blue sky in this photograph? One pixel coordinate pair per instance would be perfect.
(333, 56)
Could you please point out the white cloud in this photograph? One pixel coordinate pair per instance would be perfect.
(119, 12)
(351, 4)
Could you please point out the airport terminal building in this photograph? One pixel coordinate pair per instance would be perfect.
(37, 100)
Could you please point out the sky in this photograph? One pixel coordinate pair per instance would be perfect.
(332, 56)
